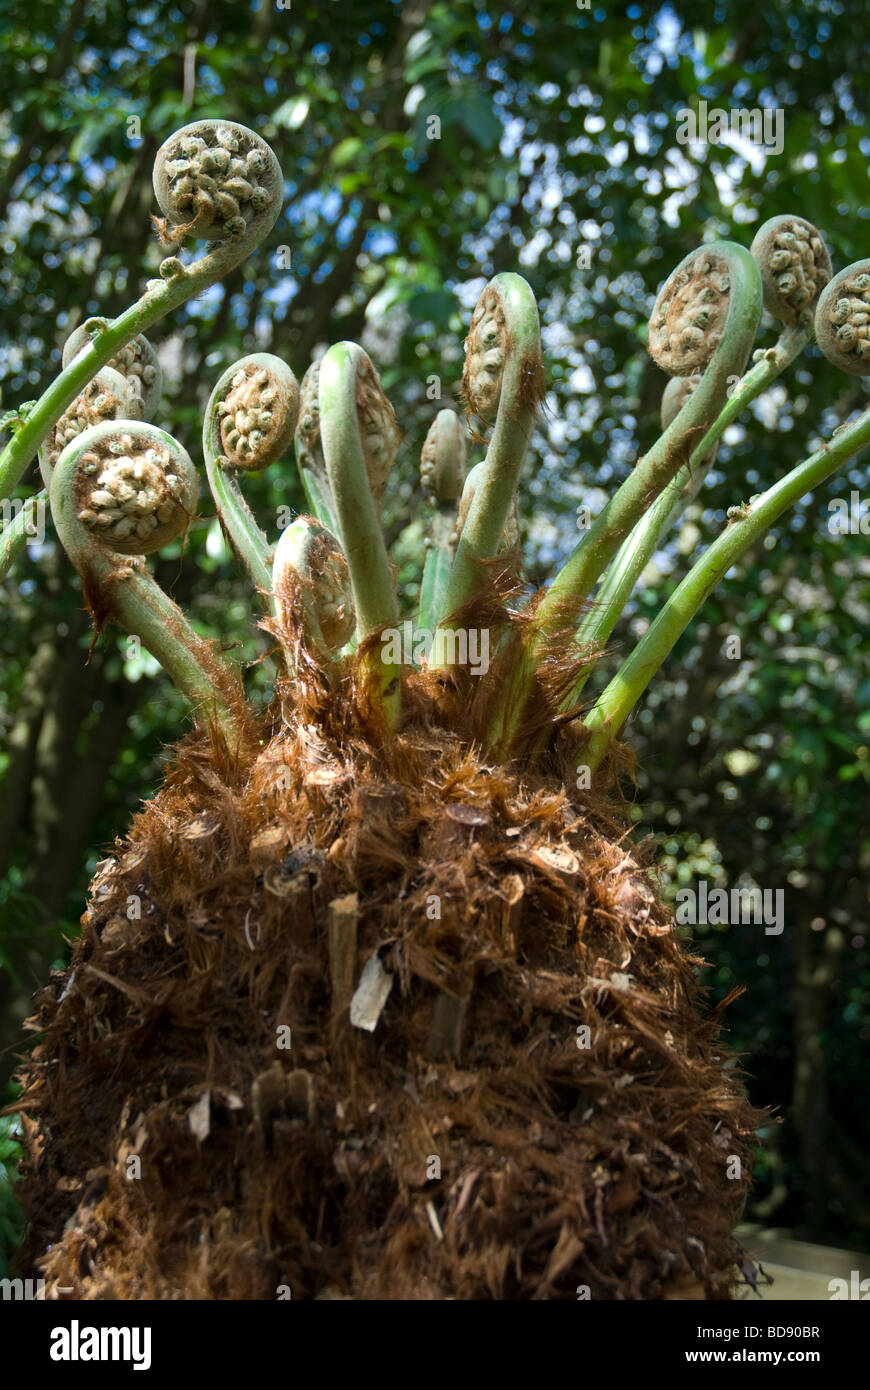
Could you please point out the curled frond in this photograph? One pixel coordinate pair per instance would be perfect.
(842, 320)
(358, 437)
(379, 434)
(214, 180)
(504, 341)
(309, 452)
(123, 489)
(133, 488)
(257, 405)
(486, 348)
(690, 313)
(793, 260)
(674, 397)
(380, 431)
(136, 362)
(442, 460)
(504, 373)
(311, 584)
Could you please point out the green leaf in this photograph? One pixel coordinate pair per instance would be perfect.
(86, 141)
(476, 115)
(292, 112)
(434, 305)
(715, 46)
(346, 151)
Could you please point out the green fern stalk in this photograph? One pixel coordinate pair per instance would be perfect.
(611, 710)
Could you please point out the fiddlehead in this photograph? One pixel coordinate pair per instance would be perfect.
(380, 441)
(442, 469)
(309, 452)
(380, 431)
(710, 302)
(133, 491)
(249, 423)
(690, 313)
(442, 459)
(359, 437)
(795, 267)
(313, 595)
(504, 373)
(258, 412)
(674, 397)
(214, 180)
(136, 362)
(486, 347)
(123, 489)
(843, 319)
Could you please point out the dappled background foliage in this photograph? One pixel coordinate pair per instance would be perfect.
(554, 153)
